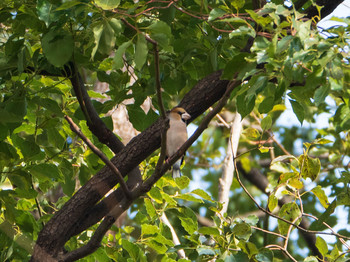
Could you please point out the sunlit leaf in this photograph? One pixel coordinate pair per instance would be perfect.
(310, 167)
(321, 245)
(291, 212)
(107, 4)
(321, 195)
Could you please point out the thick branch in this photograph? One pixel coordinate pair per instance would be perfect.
(67, 221)
(95, 123)
(94, 242)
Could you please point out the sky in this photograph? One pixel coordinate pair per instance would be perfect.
(343, 10)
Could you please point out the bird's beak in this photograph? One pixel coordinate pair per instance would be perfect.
(185, 116)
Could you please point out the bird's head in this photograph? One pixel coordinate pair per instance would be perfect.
(179, 113)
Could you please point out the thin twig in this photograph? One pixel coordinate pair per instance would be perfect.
(102, 156)
(138, 31)
(272, 136)
(268, 232)
(278, 217)
(221, 119)
(329, 227)
(283, 250)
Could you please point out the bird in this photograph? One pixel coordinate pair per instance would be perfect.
(176, 136)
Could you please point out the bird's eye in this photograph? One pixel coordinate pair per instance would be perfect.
(180, 113)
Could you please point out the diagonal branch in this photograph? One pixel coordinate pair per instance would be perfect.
(125, 203)
(94, 122)
(81, 211)
(102, 156)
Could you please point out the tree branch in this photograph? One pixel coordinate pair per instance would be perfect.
(95, 123)
(102, 156)
(94, 242)
(69, 219)
(228, 171)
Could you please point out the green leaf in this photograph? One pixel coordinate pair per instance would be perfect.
(321, 93)
(238, 4)
(139, 119)
(57, 46)
(45, 172)
(243, 31)
(298, 110)
(321, 245)
(266, 123)
(118, 56)
(160, 27)
(206, 252)
(147, 229)
(48, 104)
(107, 4)
(161, 32)
(311, 259)
(168, 199)
(234, 66)
(151, 211)
(131, 248)
(141, 51)
(182, 182)
(28, 193)
(163, 240)
(28, 147)
(284, 44)
(242, 231)
(321, 195)
(249, 248)
(343, 199)
(289, 211)
(68, 5)
(215, 13)
(188, 219)
(202, 194)
(262, 20)
(188, 197)
(322, 141)
(251, 220)
(245, 104)
(272, 202)
(155, 194)
(211, 231)
(264, 255)
(104, 37)
(158, 247)
(318, 224)
(266, 105)
(310, 167)
(251, 133)
(15, 109)
(296, 183)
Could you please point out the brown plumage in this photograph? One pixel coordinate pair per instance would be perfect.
(176, 135)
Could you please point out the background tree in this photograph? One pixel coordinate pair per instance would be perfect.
(60, 193)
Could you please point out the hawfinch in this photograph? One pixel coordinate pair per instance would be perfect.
(176, 135)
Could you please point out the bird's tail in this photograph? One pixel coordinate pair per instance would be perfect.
(176, 169)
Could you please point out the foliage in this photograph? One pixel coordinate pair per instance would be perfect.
(43, 163)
